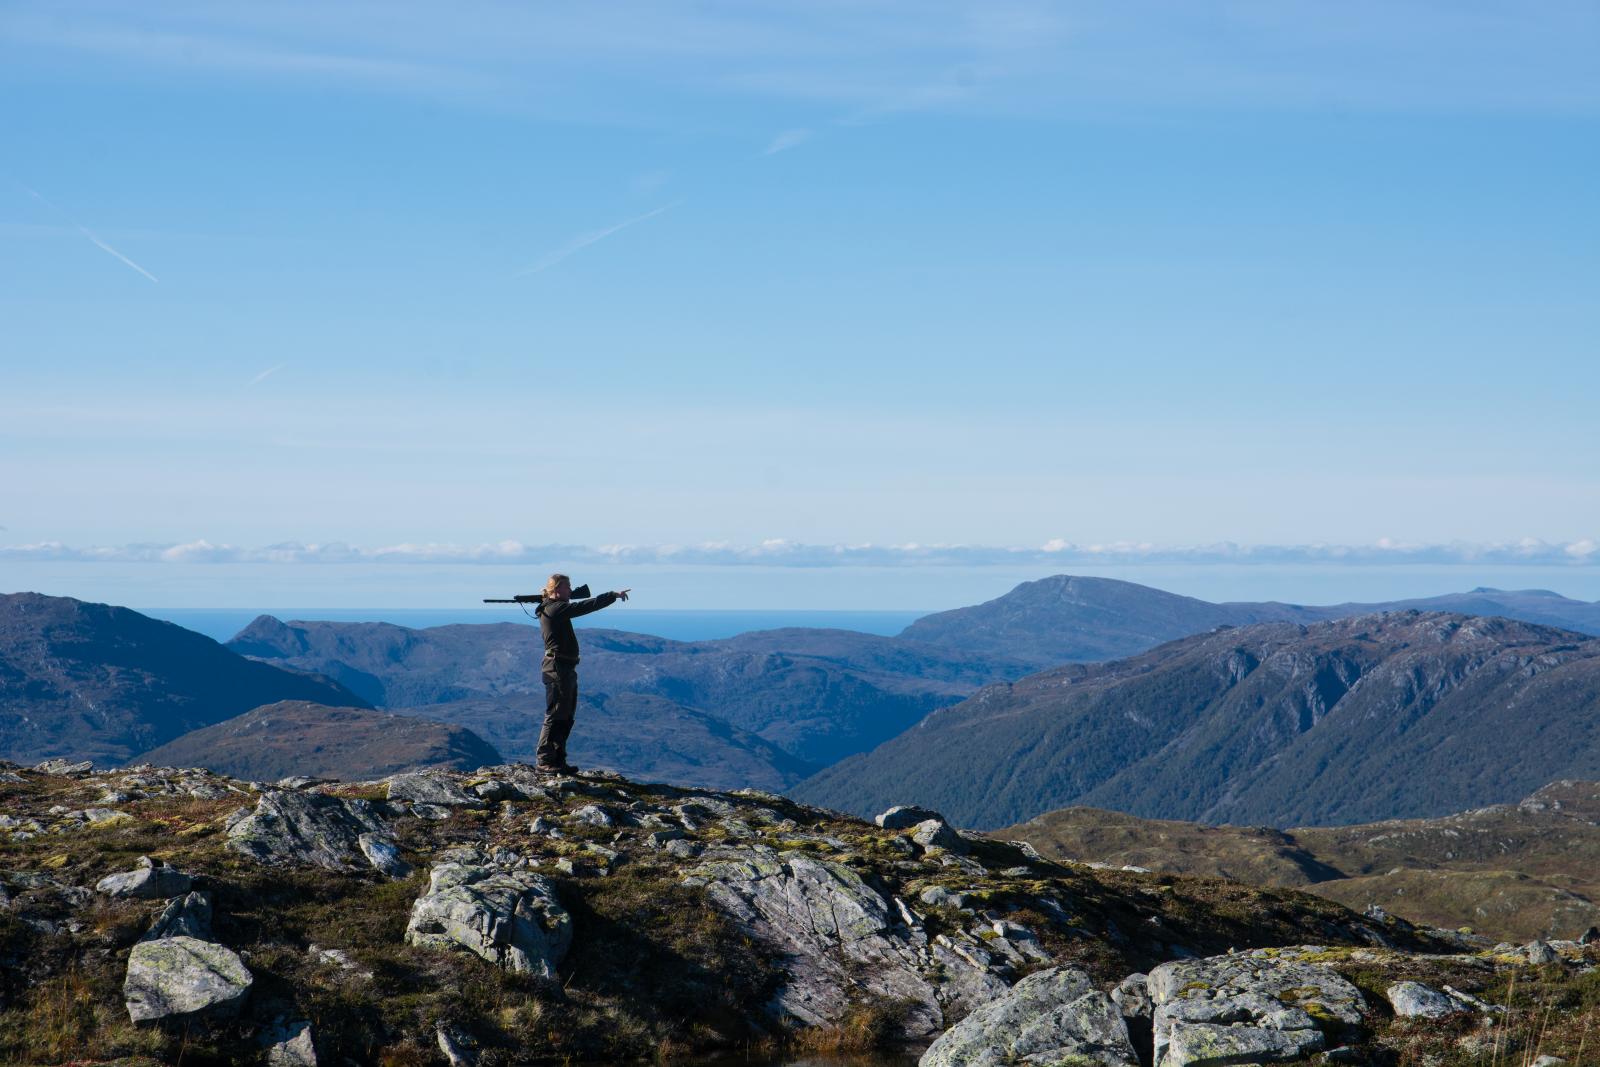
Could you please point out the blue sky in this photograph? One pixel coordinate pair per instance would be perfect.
(426, 278)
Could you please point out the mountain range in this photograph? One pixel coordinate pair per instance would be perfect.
(818, 695)
(1072, 619)
(1398, 714)
(762, 709)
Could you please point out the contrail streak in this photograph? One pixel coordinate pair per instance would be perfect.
(269, 372)
(583, 241)
(81, 228)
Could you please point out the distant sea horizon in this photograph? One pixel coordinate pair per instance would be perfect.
(221, 624)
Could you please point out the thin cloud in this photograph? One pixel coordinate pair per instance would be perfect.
(269, 372)
(582, 241)
(786, 140)
(779, 552)
(87, 233)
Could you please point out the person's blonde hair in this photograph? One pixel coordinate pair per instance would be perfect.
(555, 580)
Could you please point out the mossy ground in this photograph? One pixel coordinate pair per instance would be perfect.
(654, 970)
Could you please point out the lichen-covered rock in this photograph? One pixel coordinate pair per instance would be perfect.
(383, 854)
(148, 881)
(294, 827)
(1055, 1016)
(905, 816)
(179, 976)
(1413, 1000)
(512, 918)
(1264, 1006)
(185, 916)
(1206, 1044)
(431, 787)
(837, 937)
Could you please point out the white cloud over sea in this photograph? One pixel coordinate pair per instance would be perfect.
(1584, 552)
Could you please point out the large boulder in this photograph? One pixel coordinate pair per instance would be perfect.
(512, 918)
(148, 881)
(288, 826)
(905, 816)
(836, 936)
(183, 976)
(1054, 1016)
(1266, 1006)
(1413, 1000)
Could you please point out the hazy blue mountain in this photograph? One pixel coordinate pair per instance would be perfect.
(1403, 714)
(1529, 605)
(92, 681)
(1071, 619)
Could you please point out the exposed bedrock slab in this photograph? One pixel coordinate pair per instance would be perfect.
(1266, 1006)
(1054, 1016)
(512, 918)
(837, 937)
(432, 787)
(288, 826)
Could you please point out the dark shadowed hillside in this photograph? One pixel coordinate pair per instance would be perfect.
(91, 681)
(817, 694)
(1403, 714)
(294, 737)
(648, 738)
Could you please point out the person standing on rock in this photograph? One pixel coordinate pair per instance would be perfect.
(560, 668)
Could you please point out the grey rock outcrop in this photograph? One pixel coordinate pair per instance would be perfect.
(185, 916)
(289, 1044)
(431, 787)
(1413, 1000)
(935, 833)
(512, 918)
(64, 767)
(1055, 1016)
(835, 933)
(1539, 952)
(1255, 1007)
(905, 816)
(294, 827)
(148, 881)
(1132, 997)
(181, 976)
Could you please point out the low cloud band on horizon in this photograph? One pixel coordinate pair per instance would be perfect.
(1583, 552)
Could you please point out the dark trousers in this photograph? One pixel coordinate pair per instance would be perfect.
(560, 706)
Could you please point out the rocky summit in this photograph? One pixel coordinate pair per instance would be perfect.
(501, 916)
